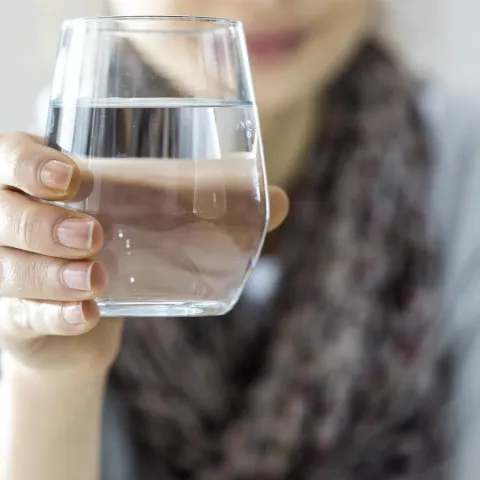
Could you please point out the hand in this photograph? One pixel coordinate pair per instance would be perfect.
(47, 282)
(49, 321)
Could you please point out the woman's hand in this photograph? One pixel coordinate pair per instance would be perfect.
(49, 321)
(47, 279)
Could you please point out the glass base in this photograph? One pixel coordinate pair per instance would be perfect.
(162, 309)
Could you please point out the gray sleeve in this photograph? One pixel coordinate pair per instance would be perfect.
(455, 127)
(462, 300)
(455, 133)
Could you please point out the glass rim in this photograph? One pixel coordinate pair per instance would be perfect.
(217, 23)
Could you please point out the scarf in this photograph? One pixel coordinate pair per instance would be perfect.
(342, 376)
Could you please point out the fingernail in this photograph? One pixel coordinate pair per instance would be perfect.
(75, 233)
(73, 314)
(84, 276)
(77, 276)
(56, 175)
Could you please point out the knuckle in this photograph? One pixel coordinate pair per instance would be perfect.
(19, 161)
(13, 310)
(21, 279)
(8, 141)
(27, 317)
(19, 313)
(34, 277)
(7, 272)
(22, 326)
(2, 272)
(14, 150)
(25, 227)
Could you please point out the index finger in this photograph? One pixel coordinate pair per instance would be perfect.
(28, 165)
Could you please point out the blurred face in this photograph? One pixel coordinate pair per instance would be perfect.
(295, 46)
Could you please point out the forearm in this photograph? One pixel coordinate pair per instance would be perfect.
(49, 427)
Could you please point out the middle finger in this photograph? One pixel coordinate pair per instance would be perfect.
(26, 224)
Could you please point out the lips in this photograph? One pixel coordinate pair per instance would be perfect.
(273, 44)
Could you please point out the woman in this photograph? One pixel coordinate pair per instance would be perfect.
(335, 371)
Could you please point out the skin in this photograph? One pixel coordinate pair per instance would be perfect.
(56, 351)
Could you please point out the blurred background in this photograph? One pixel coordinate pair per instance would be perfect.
(29, 31)
(436, 40)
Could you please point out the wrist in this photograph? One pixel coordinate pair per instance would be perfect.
(50, 424)
(13, 370)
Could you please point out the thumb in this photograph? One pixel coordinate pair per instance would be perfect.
(279, 206)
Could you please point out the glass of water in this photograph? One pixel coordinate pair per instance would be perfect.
(159, 114)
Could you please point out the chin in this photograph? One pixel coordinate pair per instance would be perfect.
(281, 82)
(280, 86)
(273, 93)
(305, 75)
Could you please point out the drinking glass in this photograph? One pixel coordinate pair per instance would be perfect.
(160, 116)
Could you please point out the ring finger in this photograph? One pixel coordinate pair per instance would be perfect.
(32, 276)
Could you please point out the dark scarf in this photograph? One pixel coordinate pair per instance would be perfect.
(341, 377)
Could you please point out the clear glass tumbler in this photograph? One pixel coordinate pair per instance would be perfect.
(159, 113)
